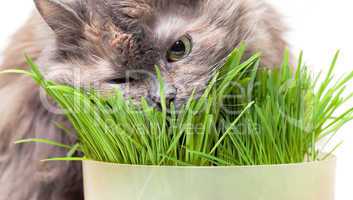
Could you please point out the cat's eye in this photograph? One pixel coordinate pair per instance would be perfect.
(180, 49)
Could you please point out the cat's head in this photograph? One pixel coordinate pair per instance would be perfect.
(109, 44)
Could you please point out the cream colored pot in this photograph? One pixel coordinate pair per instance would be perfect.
(305, 181)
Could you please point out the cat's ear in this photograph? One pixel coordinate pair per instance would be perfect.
(61, 15)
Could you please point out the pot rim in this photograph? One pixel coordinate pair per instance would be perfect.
(331, 159)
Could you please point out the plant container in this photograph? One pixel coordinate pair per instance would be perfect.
(303, 181)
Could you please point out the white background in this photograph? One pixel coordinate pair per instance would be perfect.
(319, 27)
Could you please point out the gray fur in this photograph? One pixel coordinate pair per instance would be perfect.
(103, 40)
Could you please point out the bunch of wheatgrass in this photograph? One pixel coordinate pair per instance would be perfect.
(246, 116)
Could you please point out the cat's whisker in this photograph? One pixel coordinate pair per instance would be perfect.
(218, 65)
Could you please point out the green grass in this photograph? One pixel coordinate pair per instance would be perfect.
(280, 117)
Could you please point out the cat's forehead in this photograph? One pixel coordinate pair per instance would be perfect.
(148, 8)
(167, 19)
(172, 24)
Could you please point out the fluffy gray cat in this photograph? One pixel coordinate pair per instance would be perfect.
(102, 42)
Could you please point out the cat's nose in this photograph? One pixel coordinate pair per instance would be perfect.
(170, 93)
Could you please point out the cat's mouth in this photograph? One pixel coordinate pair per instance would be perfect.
(121, 81)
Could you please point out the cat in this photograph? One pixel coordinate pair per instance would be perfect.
(109, 44)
